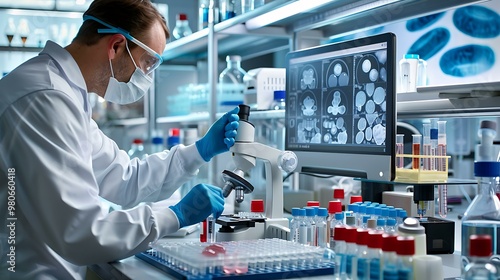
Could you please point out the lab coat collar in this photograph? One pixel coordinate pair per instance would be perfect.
(66, 63)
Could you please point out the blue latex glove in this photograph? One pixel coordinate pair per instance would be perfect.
(220, 136)
(201, 201)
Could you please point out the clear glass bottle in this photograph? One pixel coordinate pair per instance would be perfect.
(279, 102)
(181, 28)
(231, 85)
(482, 217)
(479, 267)
(226, 8)
(137, 149)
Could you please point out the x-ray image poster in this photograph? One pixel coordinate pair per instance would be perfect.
(338, 100)
(460, 46)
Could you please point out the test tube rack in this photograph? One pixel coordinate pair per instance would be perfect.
(244, 259)
(421, 175)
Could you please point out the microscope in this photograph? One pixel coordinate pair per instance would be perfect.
(245, 152)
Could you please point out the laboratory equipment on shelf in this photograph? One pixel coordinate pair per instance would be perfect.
(226, 9)
(231, 86)
(137, 149)
(181, 28)
(260, 84)
(245, 152)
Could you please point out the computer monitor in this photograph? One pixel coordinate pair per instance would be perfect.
(341, 108)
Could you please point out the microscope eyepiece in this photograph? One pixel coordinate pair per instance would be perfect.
(244, 112)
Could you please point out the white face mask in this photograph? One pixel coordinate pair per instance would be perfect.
(125, 93)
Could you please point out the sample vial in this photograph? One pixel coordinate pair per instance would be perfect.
(400, 150)
(405, 251)
(417, 139)
(426, 149)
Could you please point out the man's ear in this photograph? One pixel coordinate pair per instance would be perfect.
(116, 44)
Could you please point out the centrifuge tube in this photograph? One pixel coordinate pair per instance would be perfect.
(434, 143)
(211, 229)
(416, 150)
(441, 166)
(399, 150)
(426, 149)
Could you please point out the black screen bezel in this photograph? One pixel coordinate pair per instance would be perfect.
(389, 149)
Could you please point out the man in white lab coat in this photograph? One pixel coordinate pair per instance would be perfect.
(56, 164)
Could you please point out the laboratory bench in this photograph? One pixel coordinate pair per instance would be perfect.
(134, 268)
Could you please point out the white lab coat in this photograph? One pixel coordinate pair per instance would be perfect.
(63, 165)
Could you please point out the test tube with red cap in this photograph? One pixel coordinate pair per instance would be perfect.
(338, 195)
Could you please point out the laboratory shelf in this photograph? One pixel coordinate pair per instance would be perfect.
(202, 117)
(277, 24)
(127, 122)
(465, 100)
(19, 49)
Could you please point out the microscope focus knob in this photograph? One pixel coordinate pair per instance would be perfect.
(288, 161)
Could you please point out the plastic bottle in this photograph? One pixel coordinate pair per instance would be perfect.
(479, 267)
(279, 102)
(390, 226)
(181, 28)
(363, 270)
(411, 227)
(173, 138)
(482, 217)
(157, 144)
(340, 251)
(380, 224)
(351, 252)
(137, 149)
(226, 9)
(321, 228)
(333, 208)
(311, 226)
(405, 251)
(204, 10)
(231, 85)
(388, 265)
(294, 225)
(374, 254)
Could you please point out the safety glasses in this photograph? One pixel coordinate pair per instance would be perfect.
(149, 60)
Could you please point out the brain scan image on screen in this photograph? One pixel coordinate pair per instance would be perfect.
(370, 96)
(308, 131)
(308, 127)
(309, 106)
(308, 78)
(334, 118)
(337, 74)
(343, 117)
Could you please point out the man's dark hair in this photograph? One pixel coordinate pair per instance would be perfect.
(134, 16)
